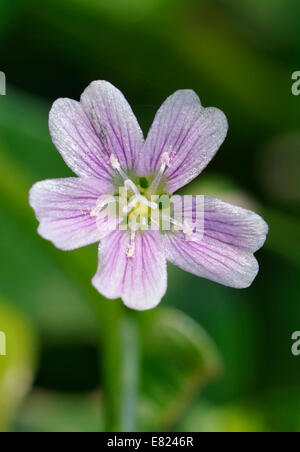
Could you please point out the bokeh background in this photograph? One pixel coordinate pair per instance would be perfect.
(210, 358)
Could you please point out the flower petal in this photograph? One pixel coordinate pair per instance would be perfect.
(114, 122)
(188, 132)
(223, 253)
(224, 222)
(212, 260)
(76, 139)
(141, 280)
(233, 225)
(63, 208)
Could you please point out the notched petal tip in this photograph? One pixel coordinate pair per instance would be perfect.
(101, 84)
(186, 96)
(189, 133)
(219, 124)
(113, 121)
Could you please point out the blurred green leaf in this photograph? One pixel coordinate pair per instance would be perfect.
(131, 10)
(279, 28)
(49, 412)
(284, 234)
(24, 132)
(215, 47)
(279, 163)
(228, 418)
(37, 282)
(230, 317)
(17, 366)
(282, 407)
(186, 42)
(178, 359)
(7, 9)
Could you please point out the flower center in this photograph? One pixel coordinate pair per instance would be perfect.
(136, 204)
(140, 203)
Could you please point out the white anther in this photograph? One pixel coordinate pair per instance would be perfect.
(165, 159)
(116, 165)
(131, 246)
(130, 250)
(144, 222)
(187, 229)
(114, 162)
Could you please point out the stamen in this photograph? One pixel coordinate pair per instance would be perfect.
(131, 205)
(165, 162)
(114, 162)
(184, 227)
(150, 204)
(100, 204)
(131, 246)
(141, 199)
(165, 158)
(187, 229)
(116, 165)
(130, 184)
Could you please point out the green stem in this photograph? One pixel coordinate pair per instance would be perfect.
(120, 367)
(130, 371)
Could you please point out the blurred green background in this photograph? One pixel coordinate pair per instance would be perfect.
(211, 358)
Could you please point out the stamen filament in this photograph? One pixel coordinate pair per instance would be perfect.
(165, 162)
(184, 227)
(116, 165)
(130, 184)
(100, 204)
(131, 205)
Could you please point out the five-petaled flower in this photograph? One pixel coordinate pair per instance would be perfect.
(101, 141)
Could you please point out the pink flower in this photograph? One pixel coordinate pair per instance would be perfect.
(101, 141)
